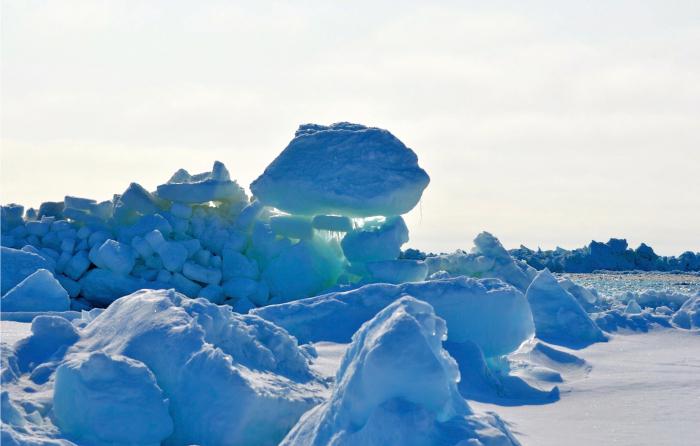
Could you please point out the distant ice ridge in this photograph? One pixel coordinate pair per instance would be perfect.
(614, 255)
(202, 235)
(159, 367)
(376, 399)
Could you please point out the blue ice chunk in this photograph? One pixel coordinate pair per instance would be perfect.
(248, 216)
(201, 273)
(209, 186)
(235, 264)
(382, 243)
(77, 265)
(185, 285)
(181, 210)
(17, 265)
(101, 286)
(397, 271)
(173, 255)
(137, 199)
(335, 223)
(212, 293)
(38, 228)
(77, 203)
(51, 208)
(292, 226)
(302, 270)
(70, 285)
(116, 257)
(11, 216)
(144, 225)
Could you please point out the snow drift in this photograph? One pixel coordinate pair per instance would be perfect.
(376, 401)
(488, 312)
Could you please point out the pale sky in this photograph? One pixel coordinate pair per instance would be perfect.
(544, 122)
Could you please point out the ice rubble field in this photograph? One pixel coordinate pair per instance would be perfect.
(195, 314)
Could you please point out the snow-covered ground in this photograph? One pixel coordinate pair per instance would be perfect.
(642, 389)
(11, 332)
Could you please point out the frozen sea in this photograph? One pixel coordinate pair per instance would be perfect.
(616, 283)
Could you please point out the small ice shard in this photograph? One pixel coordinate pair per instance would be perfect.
(201, 188)
(397, 386)
(633, 307)
(343, 169)
(38, 292)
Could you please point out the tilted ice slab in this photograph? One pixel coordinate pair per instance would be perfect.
(17, 265)
(345, 169)
(488, 312)
(159, 367)
(559, 317)
(40, 291)
(397, 386)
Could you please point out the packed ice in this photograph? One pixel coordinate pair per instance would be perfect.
(197, 314)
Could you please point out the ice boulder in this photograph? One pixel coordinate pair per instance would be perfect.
(230, 379)
(688, 316)
(396, 385)
(202, 188)
(38, 292)
(342, 169)
(116, 257)
(559, 317)
(381, 242)
(101, 287)
(110, 399)
(488, 312)
(16, 265)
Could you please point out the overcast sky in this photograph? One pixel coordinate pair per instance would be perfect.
(544, 122)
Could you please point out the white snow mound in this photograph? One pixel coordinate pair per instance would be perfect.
(488, 312)
(230, 378)
(397, 386)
